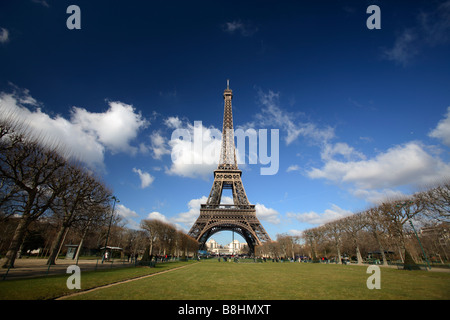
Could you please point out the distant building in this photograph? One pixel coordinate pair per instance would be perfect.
(212, 244)
(235, 247)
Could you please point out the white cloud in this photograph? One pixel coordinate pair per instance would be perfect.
(127, 215)
(442, 130)
(245, 29)
(408, 164)
(404, 49)
(378, 196)
(41, 2)
(195, 151)
(296, 233)
(158, 145)
(173, 122)
(330, 151)
(293, 167)
(273, 116)
(4, 35)
(435, 24)
(82, 144)
(432, 28)
(226, 200)
(158, 216)
(411, 164)
(85, 135)
(146, 178)
(313, 217)
(23, 96)
(125, 212)
(114, 128)
(185, 220)
(189, 217)
(267, 214)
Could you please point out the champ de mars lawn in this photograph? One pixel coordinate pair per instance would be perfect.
(213, 280)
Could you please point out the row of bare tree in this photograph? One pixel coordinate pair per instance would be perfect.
(42, 188)
(167, 239)
(412, 228)
(42, 234)
(37, 180)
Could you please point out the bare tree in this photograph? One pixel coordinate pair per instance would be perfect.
(169, 240)
(190, 245)
(153, 228)
(35, 170)
(377, 225)
(287, 245)
(93, 218)
(353, 225)
(83, 192)
(313, 237)
(11, 137)
(185, 245)
(436, 202)
(398, 212)
(334, 230)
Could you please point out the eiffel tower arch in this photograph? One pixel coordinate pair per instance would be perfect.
(239, 217)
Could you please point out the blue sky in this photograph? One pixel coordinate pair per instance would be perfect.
(362, 114)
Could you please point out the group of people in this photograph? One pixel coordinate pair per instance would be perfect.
(133, 258)
(236, 259)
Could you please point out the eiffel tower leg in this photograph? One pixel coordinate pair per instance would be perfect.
(216, 192)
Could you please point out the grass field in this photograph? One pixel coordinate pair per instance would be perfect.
(211, 280)
(51, 287)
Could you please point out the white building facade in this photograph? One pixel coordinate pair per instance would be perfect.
(234, 247)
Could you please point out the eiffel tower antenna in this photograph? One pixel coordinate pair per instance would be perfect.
(239, 217)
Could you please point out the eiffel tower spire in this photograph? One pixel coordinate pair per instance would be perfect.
(227, 152)
(227, 160)
(240, 216)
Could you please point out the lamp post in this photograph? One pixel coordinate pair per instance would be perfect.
(414, 229)
(109, 227)
(232, 243)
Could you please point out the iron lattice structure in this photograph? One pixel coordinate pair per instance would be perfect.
(240, 216)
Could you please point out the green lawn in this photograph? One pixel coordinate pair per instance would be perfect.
(55, 286)
(213, 280)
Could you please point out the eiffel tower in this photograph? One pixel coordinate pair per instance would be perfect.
(240, 216)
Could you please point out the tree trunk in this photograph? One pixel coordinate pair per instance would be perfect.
(380, 246)
(358, 255)
(409, 263)
(16, 242)
(339, 254)
(400, 253)
(56, 245)
(77, 255)
(146, 255)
